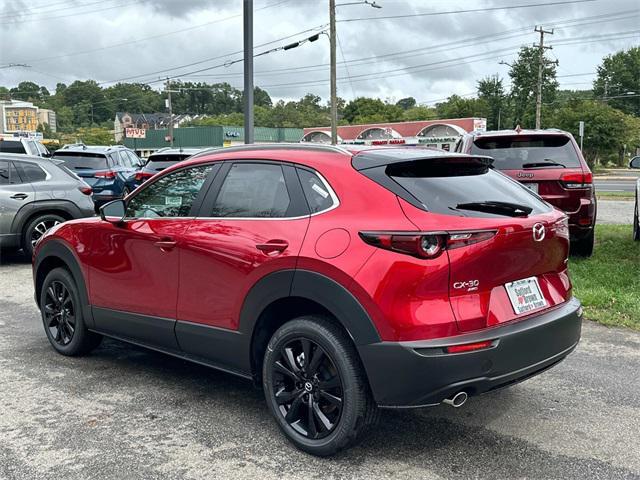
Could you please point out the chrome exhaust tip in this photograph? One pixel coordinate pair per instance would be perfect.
(457, 400)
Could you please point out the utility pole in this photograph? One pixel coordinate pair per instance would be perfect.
(170, 107)
(332, 60)
(247, 17)
(541, 63)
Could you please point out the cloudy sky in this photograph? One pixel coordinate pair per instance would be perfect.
(420, 49)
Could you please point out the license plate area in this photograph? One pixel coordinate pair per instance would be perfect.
(531, 186)
(525, 295)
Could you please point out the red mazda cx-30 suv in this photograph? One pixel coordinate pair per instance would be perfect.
(550, 163)
(341, 280)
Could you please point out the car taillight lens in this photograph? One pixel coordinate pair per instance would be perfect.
(142, 176)
(105, 174)
(469, 347)
(577, 180)
(561, 227)
(424, 245)
(87, 190)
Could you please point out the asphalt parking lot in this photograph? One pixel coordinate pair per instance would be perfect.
(124, 412)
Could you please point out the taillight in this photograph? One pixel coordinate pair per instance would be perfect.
(105, 174)
(561, 227)
(87, 190)
(142, 176)
(577, 180)
(424, 245)
(469, 347)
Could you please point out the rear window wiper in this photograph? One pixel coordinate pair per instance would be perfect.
(500, 208)
(547, 163)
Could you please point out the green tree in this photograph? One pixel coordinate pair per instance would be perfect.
(29, 91)
(458, 107)
(371, 110)
(406, 103)
(617, 75)
(491, 91)
(419, 113)
(524, 85)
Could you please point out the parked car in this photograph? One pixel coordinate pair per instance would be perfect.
(24, 146)
(548, 162)
(636, 213)
(35, 195)
(162, 159)
(340, 280)
(109, 170)
(634, 162)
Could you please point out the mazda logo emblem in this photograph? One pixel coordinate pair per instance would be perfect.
(538, 232)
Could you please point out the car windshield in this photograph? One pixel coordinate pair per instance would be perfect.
(82, 161)
(524, 152)
(10, 146)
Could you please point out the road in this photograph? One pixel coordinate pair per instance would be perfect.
(124, 412)
(616, 184)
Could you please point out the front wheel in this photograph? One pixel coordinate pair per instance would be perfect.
(316, 388)
(584, 246)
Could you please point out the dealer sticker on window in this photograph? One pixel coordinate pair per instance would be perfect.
(525, 295)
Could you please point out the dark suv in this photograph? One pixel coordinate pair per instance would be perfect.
(548, 162)
(110, 171)
(340, 280)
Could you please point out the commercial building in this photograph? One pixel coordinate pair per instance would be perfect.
(48, 117)
(18, 117)
(146, 121)
(433, 133)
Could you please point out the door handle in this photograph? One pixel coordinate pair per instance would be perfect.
(165, 244)
(19, 196)
(273, 246)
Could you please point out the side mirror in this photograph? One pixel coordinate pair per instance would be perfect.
(114, 211)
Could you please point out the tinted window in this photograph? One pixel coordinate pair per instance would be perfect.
(32, 172)
(317, 193)
(170, 196)
(135, 161)
(516, 152)
(167, 158)
(10, 146)
(8, 173)
(82, 161)
(125, 161)
(253, 190)
(443, 187)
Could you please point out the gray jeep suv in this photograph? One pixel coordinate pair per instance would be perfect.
(36, 194)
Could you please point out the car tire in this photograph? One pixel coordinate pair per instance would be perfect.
(36, 228)
(326, 405)
(62, 315)
(584, 246)
(636, 222)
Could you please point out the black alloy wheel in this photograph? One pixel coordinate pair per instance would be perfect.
(59, 313)
(307, 388)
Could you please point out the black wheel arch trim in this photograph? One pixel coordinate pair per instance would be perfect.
(28, 211)
(62, 252)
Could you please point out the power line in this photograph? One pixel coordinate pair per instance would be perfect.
(31, 20)
(55, 10)
(472, 10)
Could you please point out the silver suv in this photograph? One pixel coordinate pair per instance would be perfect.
(35, 195)
(25, 146)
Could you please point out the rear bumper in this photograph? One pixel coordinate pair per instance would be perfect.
(421, 373)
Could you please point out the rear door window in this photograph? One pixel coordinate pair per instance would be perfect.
(319, 195)
(82, 161)
(8, 173)
(450, 188)
(11, 146)
(32, 172)
(522, 151)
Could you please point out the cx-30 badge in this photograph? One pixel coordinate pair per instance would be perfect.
(538, 232)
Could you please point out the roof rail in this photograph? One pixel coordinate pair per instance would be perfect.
(274, 146)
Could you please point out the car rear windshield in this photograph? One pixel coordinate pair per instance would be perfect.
(523, 152)
(82, 161)
(167, 158)
(453, 188)
(9, 146)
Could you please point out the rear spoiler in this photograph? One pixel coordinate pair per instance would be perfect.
(379, 157)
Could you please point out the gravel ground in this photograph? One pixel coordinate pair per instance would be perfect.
(124, 412)
(615, 211)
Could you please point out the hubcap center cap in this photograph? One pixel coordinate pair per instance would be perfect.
(308, 386)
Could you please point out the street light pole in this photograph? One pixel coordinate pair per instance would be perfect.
(248, 71)
(332, 59)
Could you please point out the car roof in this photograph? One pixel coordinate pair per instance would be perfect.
(82, 148)
(21, 157)
(515, 132)
(177, 151)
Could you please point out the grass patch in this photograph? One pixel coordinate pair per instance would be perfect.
(608, 283)
(615, 195)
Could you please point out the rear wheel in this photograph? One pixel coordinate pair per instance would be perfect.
(62, 317)
(316, 388)
(584, 246)
(36, 229)
(636, 221)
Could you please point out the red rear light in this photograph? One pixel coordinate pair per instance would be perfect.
(105, 174)
(577, 180)
(424, 245)
(142, 176)
(87, 190)
(469, 347)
